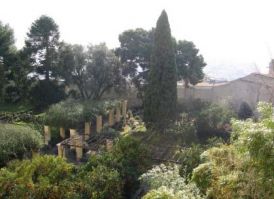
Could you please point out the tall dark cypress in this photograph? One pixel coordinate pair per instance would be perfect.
(161, 91)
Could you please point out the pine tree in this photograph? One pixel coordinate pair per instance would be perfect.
(161, 92)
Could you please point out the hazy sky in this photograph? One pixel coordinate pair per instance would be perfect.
(234, 36)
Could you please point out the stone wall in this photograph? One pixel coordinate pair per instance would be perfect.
(251, 89)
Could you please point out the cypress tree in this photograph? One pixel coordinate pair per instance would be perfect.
(161, 91)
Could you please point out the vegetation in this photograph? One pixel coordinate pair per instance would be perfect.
(71, 113)
(94, 72)
(245, 111)
(17, 141)
(161, 92)
(41, 44)
(207, 152)
(135, 52)
(243, 169)
(189, 64)
(165, 182)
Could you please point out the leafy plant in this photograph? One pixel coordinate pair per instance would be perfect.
(45, 93)
(17, 141)
(189, 159)
(42, 177)
(212, 120)
(164, 181)
(128, 157)
(185, 127)
(243, 169)
(245, 111)
(71, 113)
(101, 182)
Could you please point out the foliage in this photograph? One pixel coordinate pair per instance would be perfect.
(161, 92)
(165, 182)
(41, 177)
(67, 114)
(7, 50)
(185, 127)
(128, 157)
(17, 141)
(45, 93)
(189, 159)
(213, 121)
(70, 113)
(101, 183)
(245, 168)
(6, 40)
(245, 111)
(52, 177)
(135, 52)
(189, 63)
(41, 44)
(94, 72)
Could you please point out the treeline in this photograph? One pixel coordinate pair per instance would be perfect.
(47, 70)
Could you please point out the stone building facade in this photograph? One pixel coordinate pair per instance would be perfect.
(250, 89)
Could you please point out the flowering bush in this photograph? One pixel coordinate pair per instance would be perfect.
(245, 168)
(164, 181)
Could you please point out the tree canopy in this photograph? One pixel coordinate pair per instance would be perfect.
(94, 71)
(42, 42)
(189, 63)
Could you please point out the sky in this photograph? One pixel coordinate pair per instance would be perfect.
(236, 37)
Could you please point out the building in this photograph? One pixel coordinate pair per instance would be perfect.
(251, 89)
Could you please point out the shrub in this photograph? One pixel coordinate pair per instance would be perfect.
(160, 193)
(211, 121)
(245, 111)
(45, 93)
(185, 127)
(128, 157)
(42, 177)
(189, 159)
(101, 183)
(67, 114)
(243, 169)
(17, 141)
(165, 182)
(71, 113)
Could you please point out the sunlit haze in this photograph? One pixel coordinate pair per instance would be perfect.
(235, 37)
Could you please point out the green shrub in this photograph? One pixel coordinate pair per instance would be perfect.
(160, 193)
(42, 177)
(211, 121)
(245, 168)
(101, 183)
(245, 111)
(128, 157)
(17, 141)
(67, 114)
(71, 113)
(45, 93)
(189, 159)
(164, 181)
(185, 127)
